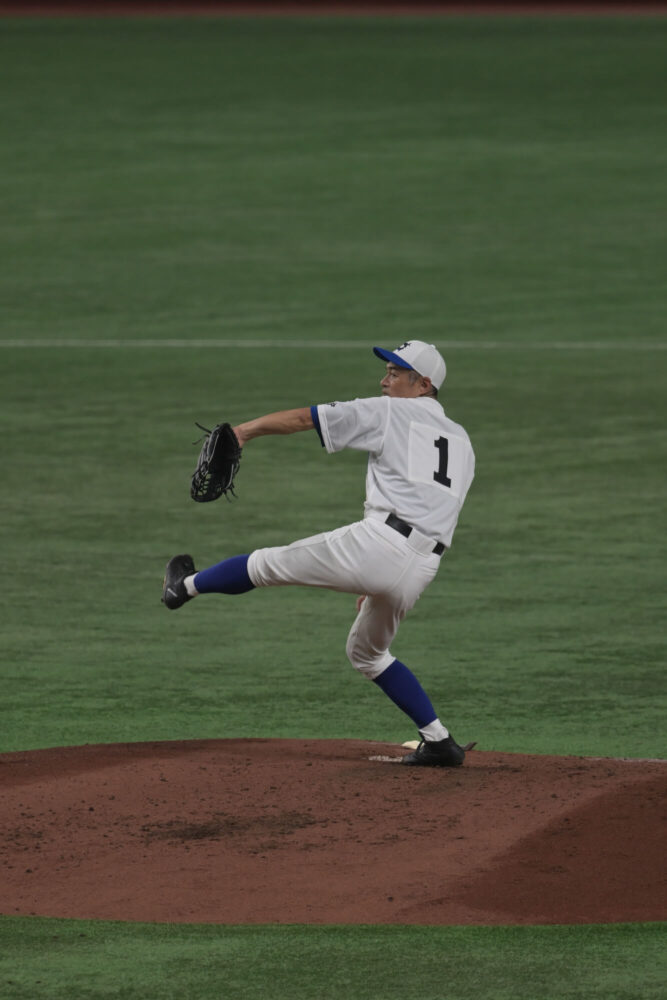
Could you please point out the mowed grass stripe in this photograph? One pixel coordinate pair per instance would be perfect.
(464, 345)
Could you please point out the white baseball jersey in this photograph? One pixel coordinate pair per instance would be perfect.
(420, 463)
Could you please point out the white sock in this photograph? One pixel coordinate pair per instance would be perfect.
(189, 584)
(434, 731)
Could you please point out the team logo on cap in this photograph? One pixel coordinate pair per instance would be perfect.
(406, 344)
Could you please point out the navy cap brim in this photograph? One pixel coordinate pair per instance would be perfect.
(392, 358)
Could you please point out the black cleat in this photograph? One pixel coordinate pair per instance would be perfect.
(174, 594)
(441, 753)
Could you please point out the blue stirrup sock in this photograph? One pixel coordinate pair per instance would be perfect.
(400, 684)
(227, 577)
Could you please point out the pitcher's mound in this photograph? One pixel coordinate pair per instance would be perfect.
(328, 831)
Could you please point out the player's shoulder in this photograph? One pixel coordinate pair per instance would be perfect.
(455, 429)
(361, 410)
(454, 425)
(426, 409)
(362, 404)
(359, 401)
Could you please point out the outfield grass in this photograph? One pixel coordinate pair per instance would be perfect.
(495, 186)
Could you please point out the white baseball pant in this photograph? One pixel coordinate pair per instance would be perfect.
(367, 557)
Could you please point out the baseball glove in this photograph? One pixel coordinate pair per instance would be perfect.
(218, 464)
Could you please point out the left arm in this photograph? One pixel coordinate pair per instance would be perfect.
(282, 422)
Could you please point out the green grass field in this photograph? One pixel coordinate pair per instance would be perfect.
(214, 219)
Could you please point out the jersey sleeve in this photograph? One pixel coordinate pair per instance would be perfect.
(359, 424)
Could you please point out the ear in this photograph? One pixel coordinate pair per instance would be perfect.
(425, 385)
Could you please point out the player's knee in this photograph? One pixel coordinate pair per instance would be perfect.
(366, 661)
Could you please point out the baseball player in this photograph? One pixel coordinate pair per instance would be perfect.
(420, 467)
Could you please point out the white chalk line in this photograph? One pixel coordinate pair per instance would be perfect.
(43, 343)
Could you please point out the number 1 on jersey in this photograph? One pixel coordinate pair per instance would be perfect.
(442, 444)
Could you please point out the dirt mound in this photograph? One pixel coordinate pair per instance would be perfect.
(328, 831)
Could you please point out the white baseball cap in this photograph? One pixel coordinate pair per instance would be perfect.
(422, 358)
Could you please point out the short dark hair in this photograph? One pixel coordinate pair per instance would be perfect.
(413, 376)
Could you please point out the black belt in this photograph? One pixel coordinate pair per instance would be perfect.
(405, 529)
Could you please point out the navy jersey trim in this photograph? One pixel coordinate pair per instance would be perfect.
(316, 421)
